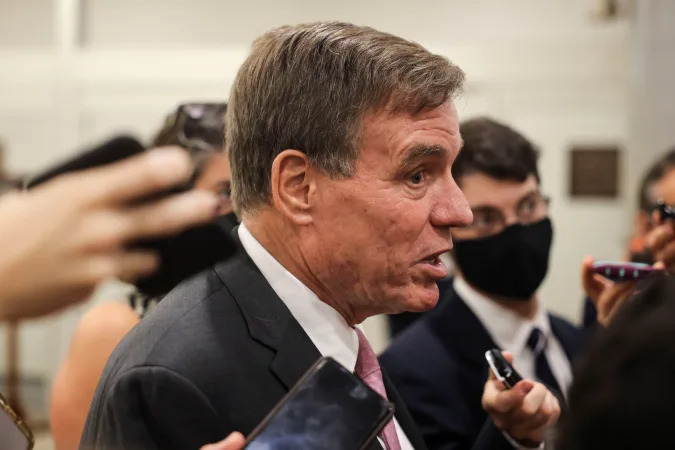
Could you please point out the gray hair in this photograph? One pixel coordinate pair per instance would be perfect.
(307, 87)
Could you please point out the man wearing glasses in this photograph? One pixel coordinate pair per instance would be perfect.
(501, 260)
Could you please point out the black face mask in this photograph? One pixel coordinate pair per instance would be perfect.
(511, 264)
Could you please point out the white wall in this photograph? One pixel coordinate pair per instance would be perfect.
(546, 67)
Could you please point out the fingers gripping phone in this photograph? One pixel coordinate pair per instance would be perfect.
(623, 271)
(502, 369)
(330, 408)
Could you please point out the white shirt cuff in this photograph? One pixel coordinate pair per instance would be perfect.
(518, 446)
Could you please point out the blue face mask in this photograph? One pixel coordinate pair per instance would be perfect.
(509, 265)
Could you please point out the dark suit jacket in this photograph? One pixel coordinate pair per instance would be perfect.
(439, 368)
(401, 321)
(214, 357)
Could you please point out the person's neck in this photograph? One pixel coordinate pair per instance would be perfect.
(281, 241)
(525, 309)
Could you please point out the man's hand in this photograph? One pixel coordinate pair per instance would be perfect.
(607, 295)
(60, 240)
(234, 441)
(523, 412)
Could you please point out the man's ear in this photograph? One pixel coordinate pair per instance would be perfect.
(293, 186)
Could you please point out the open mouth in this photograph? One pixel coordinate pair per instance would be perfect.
(433, 260)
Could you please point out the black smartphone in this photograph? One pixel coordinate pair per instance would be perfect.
(14, 433)
(502, 369)
(619, 271)
(329, 408)
(182, 255)
(113, 150)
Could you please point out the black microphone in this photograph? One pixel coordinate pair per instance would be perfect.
(113, 150)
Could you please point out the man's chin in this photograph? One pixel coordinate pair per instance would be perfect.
(423, 299)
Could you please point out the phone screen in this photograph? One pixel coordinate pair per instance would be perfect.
(11, 436)
(330, 408)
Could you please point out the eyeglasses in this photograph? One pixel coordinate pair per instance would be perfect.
(16, 423)
(488, 220)
(200, 129)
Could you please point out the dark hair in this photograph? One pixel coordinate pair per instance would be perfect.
(653, 175)
(307, 87)
(496, 150)
(623, 390)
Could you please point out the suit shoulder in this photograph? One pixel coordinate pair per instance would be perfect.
(564, 324)
(165, 325)
(416, 350)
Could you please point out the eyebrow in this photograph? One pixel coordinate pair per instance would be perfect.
(527, 196)
(419, 152)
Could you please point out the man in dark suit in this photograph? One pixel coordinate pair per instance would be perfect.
(340, 154)
(438, 364)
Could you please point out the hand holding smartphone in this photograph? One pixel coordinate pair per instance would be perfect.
(329, 408)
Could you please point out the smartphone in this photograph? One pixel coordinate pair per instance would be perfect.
(182, 255)
(113, 150)
(14, 433)
(619, 271)
(665, 211)
(502, 369)
(329, 408)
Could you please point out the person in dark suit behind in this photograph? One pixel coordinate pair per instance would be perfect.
(438, 364)
(341, 140)
(399, 322)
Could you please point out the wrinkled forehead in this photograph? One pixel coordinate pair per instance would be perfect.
(403, 129)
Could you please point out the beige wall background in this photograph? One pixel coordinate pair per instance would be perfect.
(76, 71)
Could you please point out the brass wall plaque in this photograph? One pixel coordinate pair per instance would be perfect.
(594, 171)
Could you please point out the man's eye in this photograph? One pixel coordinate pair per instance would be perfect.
(417, 177)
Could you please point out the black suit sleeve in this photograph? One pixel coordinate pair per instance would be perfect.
(451, 432)
(153, 408)
(438, 405)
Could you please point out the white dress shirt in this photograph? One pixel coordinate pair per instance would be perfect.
(327, 329)
(510, 332)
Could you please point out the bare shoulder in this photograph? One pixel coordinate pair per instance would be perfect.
(96, 336)
(105, 325)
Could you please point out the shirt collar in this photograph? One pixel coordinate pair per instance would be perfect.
(326, 328)
(507, 329)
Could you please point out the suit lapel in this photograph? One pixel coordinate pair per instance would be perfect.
(269, 320)
(403, 416)
(454, 323)
(295, 354)
(571, 342)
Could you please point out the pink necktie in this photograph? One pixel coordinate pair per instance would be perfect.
(368, 369)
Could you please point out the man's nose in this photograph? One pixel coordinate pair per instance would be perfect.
(452, 209)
